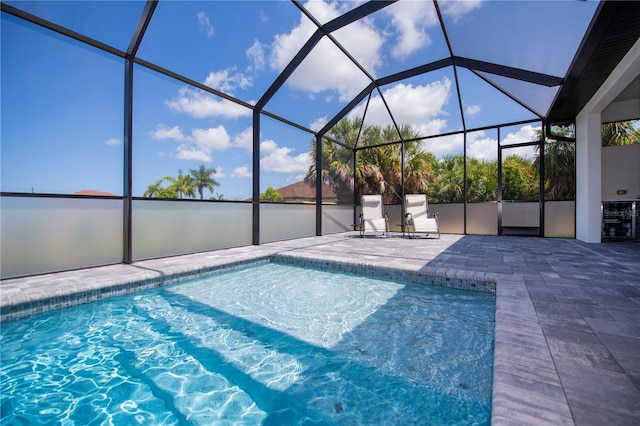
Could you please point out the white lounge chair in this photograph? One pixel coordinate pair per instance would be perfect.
(417, 217)
(373, 219)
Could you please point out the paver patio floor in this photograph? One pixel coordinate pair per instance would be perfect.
(567, 344)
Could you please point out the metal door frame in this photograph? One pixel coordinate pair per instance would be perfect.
(540, 144)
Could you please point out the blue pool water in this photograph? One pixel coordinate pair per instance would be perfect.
(271, 344)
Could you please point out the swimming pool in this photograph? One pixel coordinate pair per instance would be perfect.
(269, 344)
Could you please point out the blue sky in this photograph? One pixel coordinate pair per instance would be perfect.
(62, 121)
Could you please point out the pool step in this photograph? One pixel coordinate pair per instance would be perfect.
(261, 371)
(192, 392)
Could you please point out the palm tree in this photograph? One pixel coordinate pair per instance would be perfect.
(559, 167)
(337, 159)
(378, 169)
(155, 190)
(620, 133)
(448, 185)
(559, 170)
(419, 168)
(202, 179)
(183, 185)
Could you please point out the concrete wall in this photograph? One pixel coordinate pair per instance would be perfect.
(621, 171)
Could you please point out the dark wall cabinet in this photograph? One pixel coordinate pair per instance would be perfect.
(619, 220)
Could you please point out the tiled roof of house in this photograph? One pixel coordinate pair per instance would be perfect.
(302, 190)
(94, 192)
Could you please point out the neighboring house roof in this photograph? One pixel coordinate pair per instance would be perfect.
(303, 191)
(94, 192)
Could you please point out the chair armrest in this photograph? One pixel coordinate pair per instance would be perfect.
(408, 219)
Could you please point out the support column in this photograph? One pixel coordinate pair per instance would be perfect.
(588, 177)
(589, 145)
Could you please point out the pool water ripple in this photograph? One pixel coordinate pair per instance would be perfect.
(271, 344)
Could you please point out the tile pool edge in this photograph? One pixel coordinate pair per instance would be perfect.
(460, 281)
(68, 292)
(38, 302)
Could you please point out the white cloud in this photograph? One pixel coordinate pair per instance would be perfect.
(456, 9)
(360, 38)
(228, 80)
(528, 152)
(197, 146)
(431, 127)
(192, 153)
(426, 106)
(200, 104)
(526, 133)
(219, 172)
(164, 132)
(268, 146)
(241, 172)
(204, 24)
(285, 46)
(319, 123)
(279, 160)
(256, 54)
(481, 147)
(112, 142)
(244, 139)
(444, 145)
(212, 139)
(411, 20)
(473, 109)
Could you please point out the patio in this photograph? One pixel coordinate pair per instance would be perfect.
(567, 344)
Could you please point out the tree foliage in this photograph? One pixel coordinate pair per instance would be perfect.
(184, 185)
(202, 178)
(520, 179)
(271, 194)
(377, 169)
(559, 166)
(621, 133)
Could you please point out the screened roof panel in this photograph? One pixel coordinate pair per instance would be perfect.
(322, 84)
(205, 42)
(377, 115)
(243, 48)
(540, 36)
(95, 19)
(325, 12)
(403, 35)
(429, 102)
(483, 105)
(535, 96)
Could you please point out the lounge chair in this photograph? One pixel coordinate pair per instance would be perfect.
(373, 219)
(417, 217)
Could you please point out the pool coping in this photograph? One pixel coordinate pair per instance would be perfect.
(520, 394)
